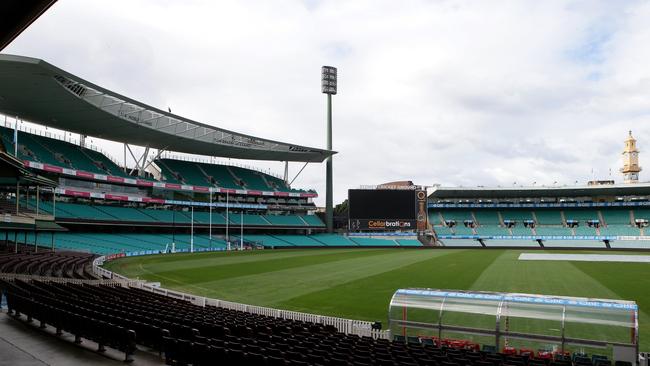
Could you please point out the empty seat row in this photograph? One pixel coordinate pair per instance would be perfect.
(45, 263)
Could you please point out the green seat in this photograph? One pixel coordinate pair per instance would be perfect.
(284, 220)
(491, 230)
(552, 230)
(487, 217)
(548, 217)
(520, 229)
(333, 240)
(313, 220)
(409, 243)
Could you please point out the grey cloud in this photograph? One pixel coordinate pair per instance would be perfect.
(453, 92)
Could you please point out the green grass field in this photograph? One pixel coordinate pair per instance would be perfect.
(358, 283)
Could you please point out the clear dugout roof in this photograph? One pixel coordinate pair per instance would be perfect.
(493, 316)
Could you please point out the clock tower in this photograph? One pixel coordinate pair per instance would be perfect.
(631, 166)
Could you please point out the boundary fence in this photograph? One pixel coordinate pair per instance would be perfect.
(348, 326)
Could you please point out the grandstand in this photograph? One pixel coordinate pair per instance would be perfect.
(93, 190)
(67, 207)
(167, 204)
(593, 216)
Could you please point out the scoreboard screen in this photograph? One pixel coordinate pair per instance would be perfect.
(382, 209)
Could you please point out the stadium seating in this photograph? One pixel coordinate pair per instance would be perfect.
(614, 216)
(183, 172)
(188, 334)
(105, 163)
(180, 217)
(620, 230)
(325, 240)
(252, 220)
(251, 179)
(120, 318)
(583, 229)
(125, 213)
(280, 185)
(520, 229)
(549, 222)
(68, 155)
(581, 214)
(313, 220)
(333, 240)
(492, 230)
(224, 176)
(109, 243)
(285, 220)
(458, 215)
(548, 217)
(443, 230)
(553, 230)
(298, 240)
(59, 153)
(487, 217)
(266, 240)
(46, 263)
(642, 213)
(517, 215)
(461, 229)
(28, 149)
(79, 211)
(409, 243)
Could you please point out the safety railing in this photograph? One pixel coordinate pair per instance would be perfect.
(347, 326)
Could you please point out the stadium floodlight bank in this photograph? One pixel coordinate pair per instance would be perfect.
(553, 324)
(329, 87)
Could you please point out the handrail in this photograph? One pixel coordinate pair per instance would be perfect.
(347, 326)
(166, 154)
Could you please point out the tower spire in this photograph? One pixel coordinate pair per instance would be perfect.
(631, 166)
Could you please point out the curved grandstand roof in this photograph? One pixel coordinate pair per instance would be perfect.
(38, 91)
(521, 192)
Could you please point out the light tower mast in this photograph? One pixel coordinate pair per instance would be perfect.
(631, 166)
(329, 87)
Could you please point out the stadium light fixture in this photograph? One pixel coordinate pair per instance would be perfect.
(329, 80)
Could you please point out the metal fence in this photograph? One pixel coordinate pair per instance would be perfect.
(347, 326)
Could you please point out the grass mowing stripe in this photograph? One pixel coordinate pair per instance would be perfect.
(368, 298)
(201, 275)
(629, 281)
(360, 287)
(271, 288)
(181, 261)
(508, 274)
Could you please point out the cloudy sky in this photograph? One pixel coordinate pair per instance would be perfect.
(451, 92)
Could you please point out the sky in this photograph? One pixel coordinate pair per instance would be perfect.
(457, 93)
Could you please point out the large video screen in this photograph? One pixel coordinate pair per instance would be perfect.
(368, 205)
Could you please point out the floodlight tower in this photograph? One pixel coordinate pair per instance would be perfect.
(328, 86)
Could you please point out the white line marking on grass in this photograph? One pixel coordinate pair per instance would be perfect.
(585, 257)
